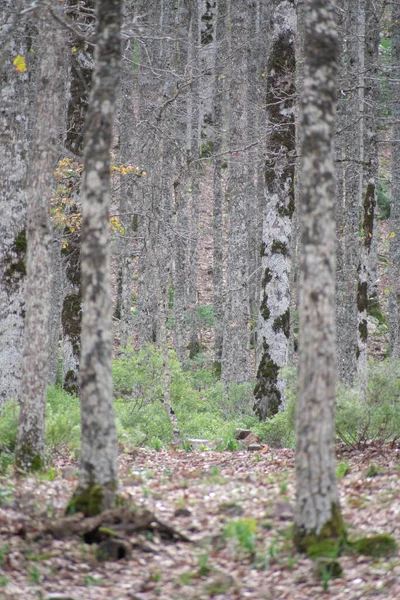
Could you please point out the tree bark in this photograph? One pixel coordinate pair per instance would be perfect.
(274, 311)
(235, 353)
(394, 274)
(317, 512)
(29, 453)
(98, 478)
(14, 155)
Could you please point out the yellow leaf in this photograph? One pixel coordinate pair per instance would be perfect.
(74, 49)
(19, 63)
(392, 234)
(143, 173)
(386, 291)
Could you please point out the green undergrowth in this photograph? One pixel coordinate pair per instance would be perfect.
(359, 419)
(205, 409)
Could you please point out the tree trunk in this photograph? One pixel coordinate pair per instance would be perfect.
(352, 179)
(219, 100)
(98, 479)
(29, 452)
(317, 512)
(14, 155)
(274, 313)
(235, 354)
(369, 158)
(81, 54)
(394, 276)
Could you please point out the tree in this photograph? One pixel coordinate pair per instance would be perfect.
(274, 310)
(394, 291)
(29, 452)
(14, 150)
(81, 70)
(317, 512)
(98, 479)
(235, 352)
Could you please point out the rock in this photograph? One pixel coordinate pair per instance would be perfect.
(254, 447)
(241, 434)
(250, 439)
(197, 444)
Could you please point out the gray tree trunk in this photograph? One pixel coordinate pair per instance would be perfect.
(317, 511)
(235, 354)
(80, 84)
(14, 153)
(394, 274)
(127, 114)
(369, 158)
(274, 312)
(29, 453)
(219, 100)
(98, 478)
(352, 90)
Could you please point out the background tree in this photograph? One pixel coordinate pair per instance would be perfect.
(274, 310)
(29, 452)
(317, 511)
(394, 290)
(14, 150)
(98, 461)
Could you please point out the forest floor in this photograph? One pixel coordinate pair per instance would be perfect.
(234, 507)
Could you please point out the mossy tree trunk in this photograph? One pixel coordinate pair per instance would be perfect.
(274, 310)
(14, 159)
(394, 289)
(236, 345)
(29, 452)
(317, 512)
(369, 159)
(81, 69)
(98, 463)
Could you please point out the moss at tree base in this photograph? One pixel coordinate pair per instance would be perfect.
(92, 500)
(27, 460)
(330, 541)
(378, 545)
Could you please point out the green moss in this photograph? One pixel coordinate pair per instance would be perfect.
(329, 547)
(369, 210)
(71, 384)
(279, 248)
(263, 249)
(16, 261)
(264, 310)
(135, 223)
(71, 318)
(28, 460)
(282, 323)
(266, 393)
(362, 296)
(375, 545)
(89, 501)
(267, 277)
(363, 330)
(333, 530)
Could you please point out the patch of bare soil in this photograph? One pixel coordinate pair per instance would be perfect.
(177, 541)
